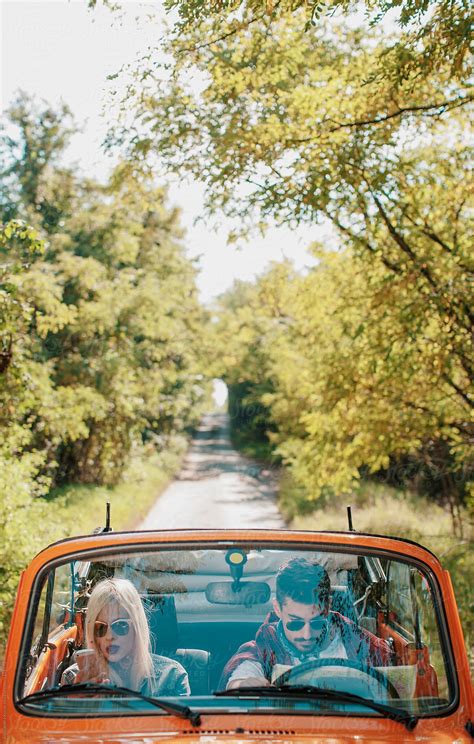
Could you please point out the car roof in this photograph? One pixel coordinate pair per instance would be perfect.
(224, 537)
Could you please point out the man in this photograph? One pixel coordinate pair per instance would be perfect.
(301, 629)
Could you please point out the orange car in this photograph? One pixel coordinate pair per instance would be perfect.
(235, 636)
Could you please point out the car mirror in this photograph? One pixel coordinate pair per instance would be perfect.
(238, 593)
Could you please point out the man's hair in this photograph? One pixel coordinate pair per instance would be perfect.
(302, 581)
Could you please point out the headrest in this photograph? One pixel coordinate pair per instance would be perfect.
(160, 610)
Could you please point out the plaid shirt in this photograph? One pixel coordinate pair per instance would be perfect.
(271, 647)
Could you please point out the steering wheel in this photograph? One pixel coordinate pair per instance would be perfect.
(341, 675)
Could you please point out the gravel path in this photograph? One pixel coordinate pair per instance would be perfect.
(217, 487)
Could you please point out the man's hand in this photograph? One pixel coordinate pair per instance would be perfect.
(248, 682)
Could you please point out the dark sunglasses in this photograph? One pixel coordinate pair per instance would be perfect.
(119, 628)
(317, 623)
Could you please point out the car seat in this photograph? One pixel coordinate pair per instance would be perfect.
(160, 610)
(342, 601)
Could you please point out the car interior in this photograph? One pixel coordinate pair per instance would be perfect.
(194, 616)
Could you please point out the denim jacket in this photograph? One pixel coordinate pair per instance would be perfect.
(169, 678)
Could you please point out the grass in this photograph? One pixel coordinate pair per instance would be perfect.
(381, 509)
(82, 507)
(79, 509)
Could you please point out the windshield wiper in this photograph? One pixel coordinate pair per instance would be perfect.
(182, 711)
(321, 693)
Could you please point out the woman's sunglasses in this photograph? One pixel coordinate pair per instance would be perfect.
(119, 628)
(317, 623)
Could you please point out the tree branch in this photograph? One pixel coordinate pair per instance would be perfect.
(422, 268)
(444, 106)
(459, 391)
(225, 36)
(402, 243)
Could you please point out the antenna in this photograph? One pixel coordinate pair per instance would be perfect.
(349, 519)
(107, 527)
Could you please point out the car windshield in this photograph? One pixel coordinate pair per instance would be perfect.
(185, 623)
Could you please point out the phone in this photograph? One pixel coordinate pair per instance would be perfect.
(84, 656)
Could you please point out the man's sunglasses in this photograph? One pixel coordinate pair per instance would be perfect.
(317, 623)
(119, 628)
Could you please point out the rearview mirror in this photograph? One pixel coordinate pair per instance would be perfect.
(238, 593)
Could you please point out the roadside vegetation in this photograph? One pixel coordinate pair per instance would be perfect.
(101, 338)
(78, 510)
(81, 508)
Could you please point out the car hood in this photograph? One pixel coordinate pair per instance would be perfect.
(230, 739)
(213, 736)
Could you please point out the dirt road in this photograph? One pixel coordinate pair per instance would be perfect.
(217, 487)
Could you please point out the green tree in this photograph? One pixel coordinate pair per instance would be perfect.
(437, 31)
(277, 124)
(36, 186)
(115, 312)
(22, 387)
(140, 325)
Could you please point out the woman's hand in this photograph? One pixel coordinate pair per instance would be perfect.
(90, 669)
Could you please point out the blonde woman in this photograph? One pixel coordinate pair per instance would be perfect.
(118, 645)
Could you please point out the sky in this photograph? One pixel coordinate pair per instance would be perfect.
(59, 50)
